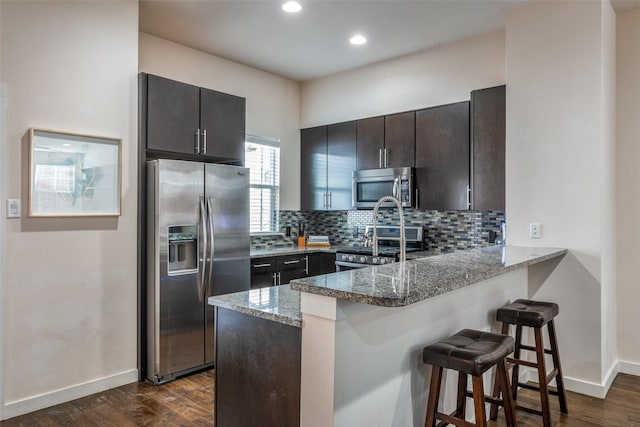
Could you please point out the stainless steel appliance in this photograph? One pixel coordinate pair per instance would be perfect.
(352, 257)
(197, 246)
(370, 185)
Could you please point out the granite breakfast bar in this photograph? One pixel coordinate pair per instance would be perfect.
(358, 334)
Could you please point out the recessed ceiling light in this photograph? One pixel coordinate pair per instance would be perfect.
(292, 7)
(358, 39)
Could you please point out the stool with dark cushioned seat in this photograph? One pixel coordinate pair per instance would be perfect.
(533, 314)
(470, 353)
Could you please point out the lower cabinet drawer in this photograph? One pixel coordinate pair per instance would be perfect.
(263, 272)
(277, 270)
(291, 267)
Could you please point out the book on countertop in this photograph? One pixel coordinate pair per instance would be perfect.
(318, 241)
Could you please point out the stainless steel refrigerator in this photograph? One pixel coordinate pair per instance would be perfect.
(197, 246)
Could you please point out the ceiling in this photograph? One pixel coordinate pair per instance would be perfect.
(314, 42)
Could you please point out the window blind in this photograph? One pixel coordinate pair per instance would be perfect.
(262, 157)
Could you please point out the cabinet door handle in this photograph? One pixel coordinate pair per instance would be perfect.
(380, 158)
(468, 197)
(330, 201)
(279, 279)
(261, 265)
(291, 262)
(204, 143)
(417, 198)
(385, 158)
(197, 147)
(273, 276)
(306, 263)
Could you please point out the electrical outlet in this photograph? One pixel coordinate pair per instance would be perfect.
(535, 230)
(13, 208)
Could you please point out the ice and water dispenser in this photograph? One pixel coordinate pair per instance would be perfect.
(183, 249)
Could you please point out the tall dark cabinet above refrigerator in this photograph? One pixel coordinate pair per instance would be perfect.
(197, 246)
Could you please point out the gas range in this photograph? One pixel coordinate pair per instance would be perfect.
(351, 257)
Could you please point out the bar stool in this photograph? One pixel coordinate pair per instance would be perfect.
(533, 314)
(472, 353)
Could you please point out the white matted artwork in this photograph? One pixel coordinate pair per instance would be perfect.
(73, 174)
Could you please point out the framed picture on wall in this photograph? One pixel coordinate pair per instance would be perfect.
(72, 174)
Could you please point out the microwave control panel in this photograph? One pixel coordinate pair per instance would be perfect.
(405, 190)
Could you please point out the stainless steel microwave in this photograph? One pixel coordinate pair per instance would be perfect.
(369, 185)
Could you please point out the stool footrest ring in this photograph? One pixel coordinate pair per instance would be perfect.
(448, 419)
(529, 410)
(513, 361)
(531, 348)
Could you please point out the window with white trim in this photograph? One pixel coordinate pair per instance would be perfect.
(262, 157)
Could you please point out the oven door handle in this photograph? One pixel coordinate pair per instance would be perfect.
(351, 264)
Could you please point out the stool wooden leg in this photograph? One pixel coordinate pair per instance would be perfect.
(434, 395)
(461, 407)
(542, 378)
(502, 373)
(478, 401)
(516, 367)
(493, 415)
(556, 363)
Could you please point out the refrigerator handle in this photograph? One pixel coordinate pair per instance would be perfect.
(205, 238)
(210, 216)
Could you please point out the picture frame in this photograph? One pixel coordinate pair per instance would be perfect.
(72, 174)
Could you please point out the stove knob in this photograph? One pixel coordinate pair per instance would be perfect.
(363, 259)
(351, 258)
(344, 257)
(383, 261)
(374, 260)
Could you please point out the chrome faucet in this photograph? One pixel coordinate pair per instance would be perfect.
(403, 240)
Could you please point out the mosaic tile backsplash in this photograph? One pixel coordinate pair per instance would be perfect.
(445, 231)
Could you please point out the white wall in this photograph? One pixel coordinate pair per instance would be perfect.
(559, 166)
(628, 186)
(432, 77)
(70, 291)
(272, 102)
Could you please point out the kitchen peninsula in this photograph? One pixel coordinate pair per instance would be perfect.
(344, 348)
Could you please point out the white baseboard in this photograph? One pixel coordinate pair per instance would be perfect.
(34, 403)
(630, 368)
(590, 388)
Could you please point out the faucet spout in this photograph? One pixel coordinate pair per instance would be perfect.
(403, 240)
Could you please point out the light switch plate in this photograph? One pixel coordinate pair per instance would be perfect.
(13, 208)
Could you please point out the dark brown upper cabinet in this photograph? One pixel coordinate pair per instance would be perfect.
(189, 122)
(370, 143)
(222, 116)
(488, 148)
(313, 168)
(386, 141)
(341, 162)
(442, 157)
(399, 140)
(327, 161)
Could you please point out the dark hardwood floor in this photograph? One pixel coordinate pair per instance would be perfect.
(189, 402)
(621, 408)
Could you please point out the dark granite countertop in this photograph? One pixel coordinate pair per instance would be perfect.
(404, 283)
(277, 303)
(392, 285)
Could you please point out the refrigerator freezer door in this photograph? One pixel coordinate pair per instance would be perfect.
(227, 194)
(175, 301)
